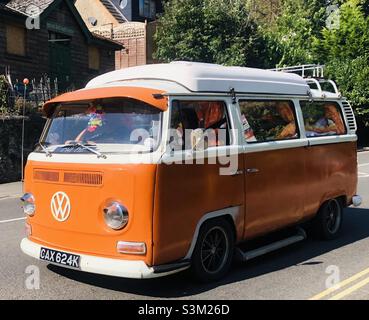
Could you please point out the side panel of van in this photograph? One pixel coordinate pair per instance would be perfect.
(184, 194)
(275, 194)
(332, 172)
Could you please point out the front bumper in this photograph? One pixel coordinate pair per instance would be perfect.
(106, 266)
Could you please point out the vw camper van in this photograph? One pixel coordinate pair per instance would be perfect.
(156, 169)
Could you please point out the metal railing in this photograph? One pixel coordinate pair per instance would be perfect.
(305, 70)
(314, 76)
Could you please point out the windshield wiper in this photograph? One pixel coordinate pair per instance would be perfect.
(48, 153)
(86, 147)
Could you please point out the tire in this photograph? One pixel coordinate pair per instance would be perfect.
(328, 222)
(213, 254)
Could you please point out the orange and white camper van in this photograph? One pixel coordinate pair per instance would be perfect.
(155, 169)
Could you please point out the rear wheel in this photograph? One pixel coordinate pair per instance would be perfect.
(213, 253)
(328, 222)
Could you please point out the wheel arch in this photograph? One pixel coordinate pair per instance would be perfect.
(232, 215)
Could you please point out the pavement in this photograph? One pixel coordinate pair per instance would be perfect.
(302, 271)
(11, 190)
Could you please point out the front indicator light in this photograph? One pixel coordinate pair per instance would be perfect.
(138, 248)
(29, 205)
(116, 216)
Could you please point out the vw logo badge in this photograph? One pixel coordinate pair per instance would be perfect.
(60, 206)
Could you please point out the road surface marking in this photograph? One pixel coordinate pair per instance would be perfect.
(350, 290)
(12, 220)
(363, 174)
(340, 285)
(9, 197)
(363, 165)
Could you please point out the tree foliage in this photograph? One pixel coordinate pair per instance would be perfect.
(266, 33)
(289, 41)
(215, 31)
(352, 76)
(349, 40)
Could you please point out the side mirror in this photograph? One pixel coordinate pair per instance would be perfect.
(198, 142)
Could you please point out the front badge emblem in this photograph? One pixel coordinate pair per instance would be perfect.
(60, 206)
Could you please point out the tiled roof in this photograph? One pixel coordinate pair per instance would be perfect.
(28, 7)
(113, 11)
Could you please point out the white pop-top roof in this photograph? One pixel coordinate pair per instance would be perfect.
(202, 77)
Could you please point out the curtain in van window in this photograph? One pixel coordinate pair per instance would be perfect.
(208, 116)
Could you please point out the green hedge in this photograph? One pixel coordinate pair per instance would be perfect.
(10, 144)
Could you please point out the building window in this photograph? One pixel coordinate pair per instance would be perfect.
(16, 40)
(93, 58)
(147, 8)
(268, 120)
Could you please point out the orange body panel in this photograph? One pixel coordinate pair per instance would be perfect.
(331, 172)
(166, 202)
(292, 184)
(275, 195)
(144, 94)
(185, 193)
(85, 231)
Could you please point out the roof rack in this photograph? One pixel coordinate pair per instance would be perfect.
(305, 70)
(314, 76)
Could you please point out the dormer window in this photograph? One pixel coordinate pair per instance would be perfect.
(147, 9)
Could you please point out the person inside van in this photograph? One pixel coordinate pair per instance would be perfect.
(208, 116)
(286, 113)
(330, 124)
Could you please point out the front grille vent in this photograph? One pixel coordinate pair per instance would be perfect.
(85, 178)
(49, 176)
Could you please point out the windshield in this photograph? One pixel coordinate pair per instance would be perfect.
(107, 126)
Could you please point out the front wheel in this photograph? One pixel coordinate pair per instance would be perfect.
(214, 249)
(328, 222)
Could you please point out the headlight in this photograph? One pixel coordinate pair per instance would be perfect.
(29, 205)
(116, 215)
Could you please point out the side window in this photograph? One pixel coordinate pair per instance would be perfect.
(268, 120)
(322, 119)
(207, 120)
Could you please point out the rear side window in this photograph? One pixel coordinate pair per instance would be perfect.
(322, 119)
(207, 117)
(265, 121)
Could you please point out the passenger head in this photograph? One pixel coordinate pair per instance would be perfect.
(285, 111)
(331, 111)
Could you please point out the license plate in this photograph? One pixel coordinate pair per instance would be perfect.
(60, 258)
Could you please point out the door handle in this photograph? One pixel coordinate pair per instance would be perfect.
(252, 170)
(238, 173)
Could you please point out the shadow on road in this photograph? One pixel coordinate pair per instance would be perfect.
(355, 228)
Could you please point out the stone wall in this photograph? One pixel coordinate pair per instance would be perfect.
(11, 141)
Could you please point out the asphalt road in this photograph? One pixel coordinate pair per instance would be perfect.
(301, 271)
